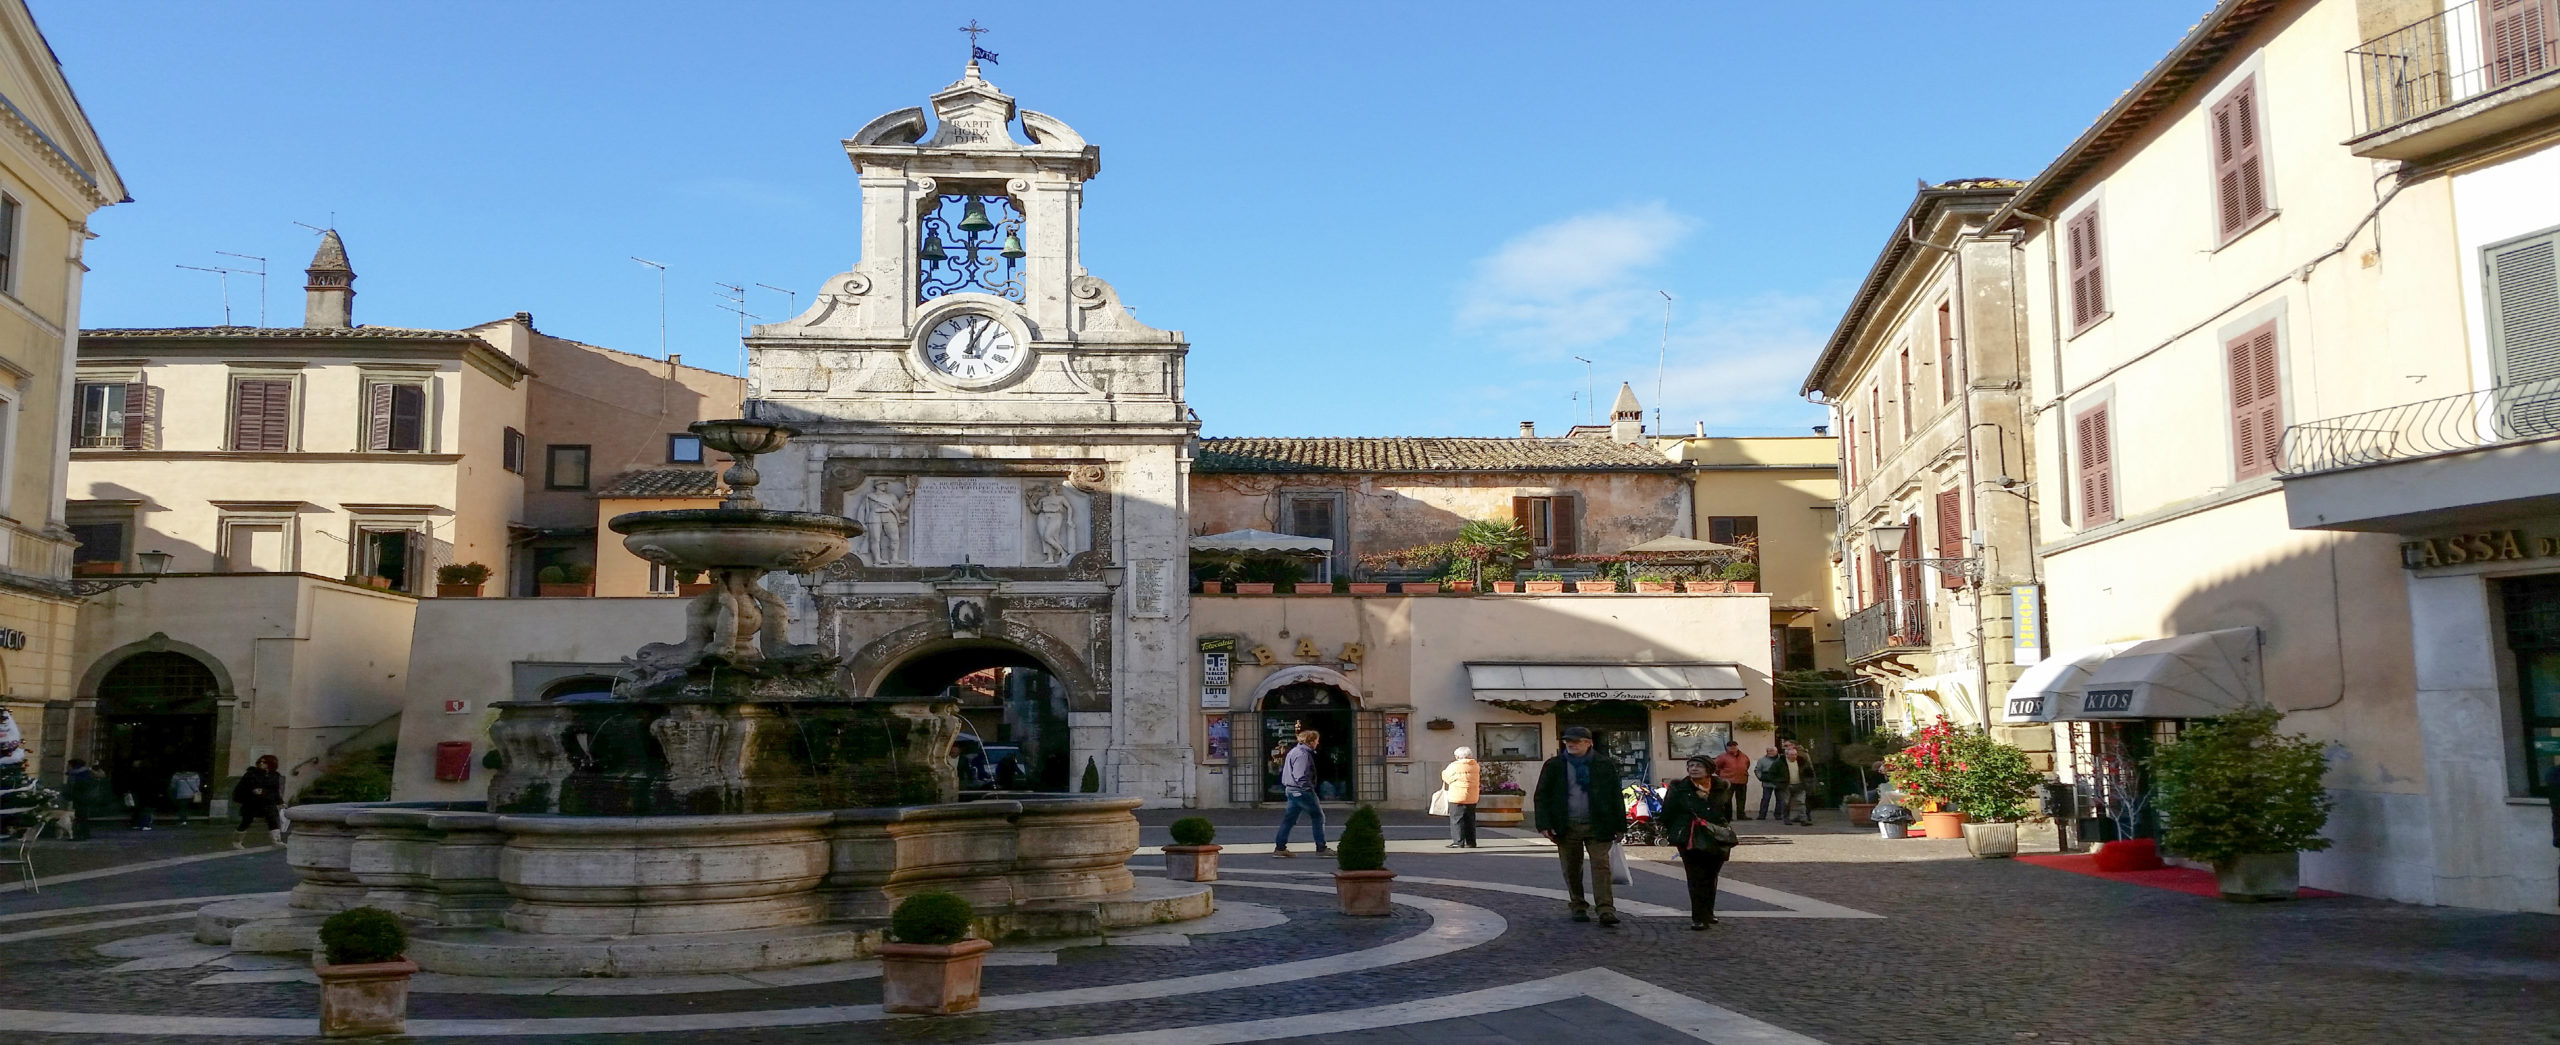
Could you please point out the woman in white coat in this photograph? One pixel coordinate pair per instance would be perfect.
(1463, 779)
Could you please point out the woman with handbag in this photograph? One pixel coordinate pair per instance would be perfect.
(1694, 813)
(1460, 783)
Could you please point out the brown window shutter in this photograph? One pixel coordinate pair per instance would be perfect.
(1907, 398)
(408, 417)
(2257, 403)
(2096, 461)
(1880, 568)
(262, 418)
(137, 416)
(377, 428)
(2088, 288)
(2517, 36)
(1520, 513)
(2239, 167)
(1849, 433)
(1950, 534)
(1946, 352)
(1560, 528)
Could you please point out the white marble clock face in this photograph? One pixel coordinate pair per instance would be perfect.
(973, 347)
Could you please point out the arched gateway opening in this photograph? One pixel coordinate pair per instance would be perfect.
(1015, 708)
(1350, 754)
(156, 717)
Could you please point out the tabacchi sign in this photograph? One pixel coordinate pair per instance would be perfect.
(2484, 546)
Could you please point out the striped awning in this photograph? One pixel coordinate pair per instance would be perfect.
(1691, 682)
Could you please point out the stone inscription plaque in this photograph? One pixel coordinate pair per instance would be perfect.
(957, 519)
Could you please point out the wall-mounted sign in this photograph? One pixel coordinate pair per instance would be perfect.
(1213, 697)
(2107, 700)
(12, 638)
(2484, 546)
(1216, 653)
(456, 707)
(2026, 625)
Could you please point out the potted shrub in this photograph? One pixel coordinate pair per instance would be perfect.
(460, 580)
(1314, 588)
(1742, 575)
(1655, 584)
(1253, 587)
(1925, 774)
(568, 580)
(1994, 784)
(1213, 587)
(1363, 883)
(932, 967)
(364, 979)
(1191, 857)
(1462, 587)
(1498, 797)
(1753, 722)
(690, 582)
(1543, 583)
(2235, 793)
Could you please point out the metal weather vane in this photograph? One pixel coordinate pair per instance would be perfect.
(977, 53)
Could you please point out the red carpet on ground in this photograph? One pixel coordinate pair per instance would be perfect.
(2176, 879)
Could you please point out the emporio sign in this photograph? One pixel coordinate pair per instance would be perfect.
(2484, 546)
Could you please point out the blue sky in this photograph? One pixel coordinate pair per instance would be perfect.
(1370, 219)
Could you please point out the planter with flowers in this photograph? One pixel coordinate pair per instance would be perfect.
(2235, 793)
(1925, 773)
(460, 580)
(1655, 584)
(568, 580)
(1498, 797)
(1995, 786)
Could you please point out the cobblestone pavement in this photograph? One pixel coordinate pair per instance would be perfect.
(1964, 952)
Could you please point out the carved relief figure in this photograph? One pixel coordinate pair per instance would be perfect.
(1049, 513)
(882, 511)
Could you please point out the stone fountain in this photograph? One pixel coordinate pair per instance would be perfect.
(729, 808)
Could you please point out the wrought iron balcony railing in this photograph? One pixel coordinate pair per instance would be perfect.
(2516, 413)
(2461, 53)
(1894, 624)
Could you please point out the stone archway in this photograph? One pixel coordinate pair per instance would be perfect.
(117, 714)
(1014, 707)
(1350, 754)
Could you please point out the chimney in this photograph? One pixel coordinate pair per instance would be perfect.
(1626, 419)
(525, 318)
(329, 295)
(1528, 429)
(1702, 429)
(1822, 429)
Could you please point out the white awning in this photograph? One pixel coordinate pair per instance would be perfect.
(2044, 690)
(1695, 682)
(2182, 676)
(1262, 541)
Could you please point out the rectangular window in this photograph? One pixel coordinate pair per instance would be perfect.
(2257, 403)
(1951, 540)
(1799, 650)
(113, 415)
(254, 547)
(1551, 522)
(684, 448)
(1946, 352)
(2532, 607)
(396, 417)
(2088, 280)
(511, 451)
(10, 218)
(2239, 166)
(1733, 529)
(100, 542)
(2095, 455)
(389, 557)
(262, 414)
(2522, 284)
(662, 579)
(1909, 405)
(2516, 38)
(565, 468)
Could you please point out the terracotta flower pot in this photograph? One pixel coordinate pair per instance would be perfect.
(1861, 814)
(1313, 588)
(1368, 587)
(565, 591)
(932, 979)
(1365, 894)
(1213, 587)
(1498, 810)
(1543, 587)
(457, 591)
(1506, 587)
(1705, 587)
(1253, 587)
(1943, 825)
(1191, 863)
(364, 1000)
(1422, 587)
(1595, 587)
(690, 590)
(1656, 587)
(1742, 587)
(1463, 587)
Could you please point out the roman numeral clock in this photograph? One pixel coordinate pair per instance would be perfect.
(1011, 439)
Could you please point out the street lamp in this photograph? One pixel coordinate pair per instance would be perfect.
(153, 563)
(1888, 539)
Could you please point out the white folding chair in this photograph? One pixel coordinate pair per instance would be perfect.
(26, 842)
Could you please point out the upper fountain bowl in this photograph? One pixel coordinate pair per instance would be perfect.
(739, 436)
(736, 538)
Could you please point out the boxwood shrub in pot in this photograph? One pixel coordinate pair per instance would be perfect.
(364, 979)
(1363, 884)
(932, 965)
(2235, 793)
(1192, 857)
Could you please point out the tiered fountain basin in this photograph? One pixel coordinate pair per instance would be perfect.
(495, 894)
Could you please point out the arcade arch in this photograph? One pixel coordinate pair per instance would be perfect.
(1015, 706)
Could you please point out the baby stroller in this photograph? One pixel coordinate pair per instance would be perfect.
(1644, 815)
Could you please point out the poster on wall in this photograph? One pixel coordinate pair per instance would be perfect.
(1398, 745)
(1693, 739)
(1213, 696)
(1221, 738)
(1216, 651)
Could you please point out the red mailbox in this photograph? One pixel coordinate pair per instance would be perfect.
(453, 760)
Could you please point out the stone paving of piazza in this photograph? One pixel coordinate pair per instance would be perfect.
(1842, 938)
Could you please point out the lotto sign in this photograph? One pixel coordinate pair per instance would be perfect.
(456, 707)
(1213, 696)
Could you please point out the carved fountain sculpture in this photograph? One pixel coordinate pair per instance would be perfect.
(729, 807)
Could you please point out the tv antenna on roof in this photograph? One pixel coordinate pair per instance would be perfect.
(662, 302)
(736, 301)
(1661, 361)
(225, 274)
(794, 295)
(262, 281)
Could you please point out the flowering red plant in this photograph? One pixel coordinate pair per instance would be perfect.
(1926, 771)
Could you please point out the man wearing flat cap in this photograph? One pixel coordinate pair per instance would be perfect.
(1579, 809)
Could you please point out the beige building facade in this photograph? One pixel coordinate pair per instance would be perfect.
(54, 174)
(1782, 494)
(2283, 302)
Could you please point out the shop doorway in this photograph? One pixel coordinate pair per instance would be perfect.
(1350, 754)
(2113, 791)
(1621, 729)
(156, 718)
(1015, 709)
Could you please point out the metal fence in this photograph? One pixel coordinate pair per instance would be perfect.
(2506, 414)
(2463, 52)
(1899, 623)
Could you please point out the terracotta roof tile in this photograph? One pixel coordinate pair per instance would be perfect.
(663, 482)
(1425, 454)
(272, 333)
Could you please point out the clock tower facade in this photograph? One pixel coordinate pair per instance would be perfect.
(1012, 440)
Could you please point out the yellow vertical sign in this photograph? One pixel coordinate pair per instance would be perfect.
(2026, 624)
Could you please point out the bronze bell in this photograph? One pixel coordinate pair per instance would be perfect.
(974, 218)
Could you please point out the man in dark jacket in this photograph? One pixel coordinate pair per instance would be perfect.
(1579, 809)
(259, 794)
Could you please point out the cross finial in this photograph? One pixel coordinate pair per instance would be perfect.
(973, 29)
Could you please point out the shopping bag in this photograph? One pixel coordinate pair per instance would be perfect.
(1440, 802)
(1619, 872)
